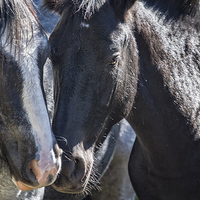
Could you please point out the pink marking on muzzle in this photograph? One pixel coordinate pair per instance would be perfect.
(42, 175)
(45, 170)
(42, 171)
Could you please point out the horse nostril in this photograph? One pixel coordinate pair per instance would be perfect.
(30, 174)
(41, 173)
(76, 160)
(50, 179)
(73, 169)
(79, 162)
(79, 168)
(33, 171)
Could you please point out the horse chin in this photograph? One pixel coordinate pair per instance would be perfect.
(68, 190)
(65, 186)
(25, 187)
(22, 186)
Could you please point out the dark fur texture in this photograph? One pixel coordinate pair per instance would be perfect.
(137, 60)
(173, 7)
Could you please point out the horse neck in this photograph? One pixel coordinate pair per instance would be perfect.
(165, 114)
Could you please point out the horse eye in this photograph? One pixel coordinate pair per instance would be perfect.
(113, 61)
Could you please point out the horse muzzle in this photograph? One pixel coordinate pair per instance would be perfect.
(75, 173)
(42, 172)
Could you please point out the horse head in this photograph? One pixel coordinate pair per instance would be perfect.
(95, 77)
(26, 139)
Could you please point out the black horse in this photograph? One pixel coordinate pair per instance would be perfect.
(112, 188)
(138, 60)
(29, 154)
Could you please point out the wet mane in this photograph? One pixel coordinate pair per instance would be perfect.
(12, 14)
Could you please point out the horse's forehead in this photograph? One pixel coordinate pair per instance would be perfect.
(102, 21)
(86, 31)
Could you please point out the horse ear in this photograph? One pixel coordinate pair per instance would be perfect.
(121, 6)
(54, 5)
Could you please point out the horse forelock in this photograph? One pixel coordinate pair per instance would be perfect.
(88, 7)
(14, 14)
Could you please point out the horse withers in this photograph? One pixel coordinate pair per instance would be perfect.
(137, 60)
(29, 153)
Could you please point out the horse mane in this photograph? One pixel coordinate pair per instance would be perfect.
(171, 7)
(12, 12)
(175, 8)
(88, 7)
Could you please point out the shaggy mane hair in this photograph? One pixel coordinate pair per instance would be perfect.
(88, 7)
(175, 7)
(12, 12)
